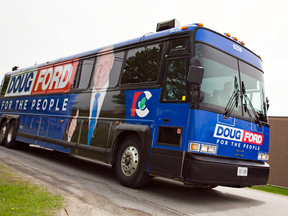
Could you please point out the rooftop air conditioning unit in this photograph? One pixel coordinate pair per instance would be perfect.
(167, 25)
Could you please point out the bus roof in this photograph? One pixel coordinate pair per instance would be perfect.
(146, 36)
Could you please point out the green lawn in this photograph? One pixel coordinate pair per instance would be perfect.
(19, 197)
(272, 189)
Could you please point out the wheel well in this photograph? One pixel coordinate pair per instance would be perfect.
(12, 120)
(117, 143)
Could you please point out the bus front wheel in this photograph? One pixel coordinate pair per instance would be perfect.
(128, 163)
(10, 141)
(3, 134)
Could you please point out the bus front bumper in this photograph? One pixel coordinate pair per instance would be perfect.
(211, 170)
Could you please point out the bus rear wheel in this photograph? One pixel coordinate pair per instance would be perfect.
(128, 164)
(3, 134)
(10, 141)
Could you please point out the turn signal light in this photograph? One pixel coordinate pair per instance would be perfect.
(195, 147)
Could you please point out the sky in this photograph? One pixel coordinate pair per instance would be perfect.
(33, 31)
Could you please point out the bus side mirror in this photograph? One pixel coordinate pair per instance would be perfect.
(195, 74)
(196, 71)
(267, 102)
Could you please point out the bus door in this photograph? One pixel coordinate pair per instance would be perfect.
(171, 119)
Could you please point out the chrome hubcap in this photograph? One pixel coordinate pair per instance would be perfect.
(129, 161)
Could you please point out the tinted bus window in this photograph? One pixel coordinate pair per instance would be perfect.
(175, 84)
(142, 64)
(115, 71)
(87, 67)
(83, 74)
(107, 70)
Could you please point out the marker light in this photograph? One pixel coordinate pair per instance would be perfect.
(184, 27)
(200, 24)
(259, 56)
(242, 43)
(228, 35)
(195, 147)
(235, 38)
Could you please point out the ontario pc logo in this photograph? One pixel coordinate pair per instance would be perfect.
(139, 104)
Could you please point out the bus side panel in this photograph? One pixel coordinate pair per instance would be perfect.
(43, 126)
(36, 121)
(52, 131)
(21, 129)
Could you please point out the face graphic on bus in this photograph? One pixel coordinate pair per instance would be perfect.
(103, 67)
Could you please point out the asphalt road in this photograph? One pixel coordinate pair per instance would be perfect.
(91, 188)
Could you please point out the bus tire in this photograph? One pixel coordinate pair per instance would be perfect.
(128, 163)
(10, 141)
(3, 133)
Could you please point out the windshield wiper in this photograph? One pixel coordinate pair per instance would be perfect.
(233, 101)
(247, 103)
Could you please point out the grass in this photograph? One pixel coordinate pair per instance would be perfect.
(272, 189)
(19, 197)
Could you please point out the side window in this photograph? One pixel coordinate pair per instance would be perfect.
(175, 83)
(107, 69)
(116, 69)
(142, 64)
(83, 74)
(179, 45)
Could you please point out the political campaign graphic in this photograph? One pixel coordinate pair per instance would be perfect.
(139, 104)
(42, 80)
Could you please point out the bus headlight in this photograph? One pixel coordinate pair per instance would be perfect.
(208, 148)
(197, 147)
(263, 156)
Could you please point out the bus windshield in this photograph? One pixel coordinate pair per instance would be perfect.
(253, 80)
(221, 81)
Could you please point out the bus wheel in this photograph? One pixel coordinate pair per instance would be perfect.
(10, 137)
(128, 164)
(3, 133)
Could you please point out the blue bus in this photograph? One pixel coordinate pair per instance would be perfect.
(185, 103)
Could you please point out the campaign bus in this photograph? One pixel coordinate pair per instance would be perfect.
(185, 103)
